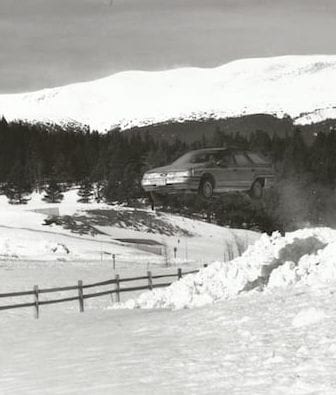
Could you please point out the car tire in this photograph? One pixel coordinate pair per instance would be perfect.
(257, 189)
(206, 188)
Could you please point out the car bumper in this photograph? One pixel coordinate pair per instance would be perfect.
(269, 182)
(171, 188)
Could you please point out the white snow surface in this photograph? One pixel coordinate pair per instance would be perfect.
(298, 86)
(308, 316)
(245, 345)
(306, 256)
(23, 235)
(280, 341)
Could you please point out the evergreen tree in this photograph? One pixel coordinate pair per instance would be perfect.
(98, 191)
(111, 191)
(18, 187)
(53, 192)
(16, 193)
(3, 122)
(85, 192)
(260, 141)
(295, 156)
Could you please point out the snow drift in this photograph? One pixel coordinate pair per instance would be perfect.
(37, 248)
(295, 85)
(306, 256)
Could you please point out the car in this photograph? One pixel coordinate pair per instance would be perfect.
(211, 171)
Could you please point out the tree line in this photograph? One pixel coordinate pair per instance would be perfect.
(51, 158)
(109, 167)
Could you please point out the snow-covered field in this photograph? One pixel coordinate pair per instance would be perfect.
(279, 341)
(298, 86)
(251, 344)
(261, 323)
(23, 234)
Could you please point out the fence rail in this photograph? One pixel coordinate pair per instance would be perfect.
(80, 287)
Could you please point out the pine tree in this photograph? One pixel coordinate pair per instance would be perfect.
(85, 192)
(53, 192)
(3, 122)
(111, 191)
(16, 193)
(18, 187)
(295, 156)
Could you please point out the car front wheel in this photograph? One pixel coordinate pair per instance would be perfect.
(206, 188)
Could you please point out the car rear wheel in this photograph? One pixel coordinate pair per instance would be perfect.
(206, 188)
(257, 189)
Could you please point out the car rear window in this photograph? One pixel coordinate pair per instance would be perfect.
(255, 158)
(242, 160)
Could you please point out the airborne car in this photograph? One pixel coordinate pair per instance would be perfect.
(210, 171)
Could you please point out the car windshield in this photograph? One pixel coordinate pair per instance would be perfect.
(194, 157)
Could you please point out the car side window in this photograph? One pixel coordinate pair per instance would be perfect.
(200, 158)
(255, 158)
(224, 159)
(212, 161)
(242, 160)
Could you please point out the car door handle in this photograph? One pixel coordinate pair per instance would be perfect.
(252, 169)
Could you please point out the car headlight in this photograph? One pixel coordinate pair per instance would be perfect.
(151, 178)
(179, 174)
(175, 177)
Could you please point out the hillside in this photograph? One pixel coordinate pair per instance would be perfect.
(295, 86)
(82, 232)
(196, 130)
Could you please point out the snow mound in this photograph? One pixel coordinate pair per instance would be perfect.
(35, 248)
(306, 256)
(308, 316)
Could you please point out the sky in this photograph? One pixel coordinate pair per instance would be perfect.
(48, 43)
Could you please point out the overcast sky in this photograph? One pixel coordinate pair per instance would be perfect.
(45, 43)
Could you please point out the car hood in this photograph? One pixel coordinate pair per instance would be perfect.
(165, 169)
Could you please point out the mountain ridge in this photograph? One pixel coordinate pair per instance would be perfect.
(295, 86)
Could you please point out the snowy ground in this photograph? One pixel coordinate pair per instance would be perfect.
(262, 323)
(257, 343)
(23, 235)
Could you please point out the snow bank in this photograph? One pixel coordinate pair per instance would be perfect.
(306, 256)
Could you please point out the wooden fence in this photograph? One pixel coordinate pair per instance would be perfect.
(115, 283)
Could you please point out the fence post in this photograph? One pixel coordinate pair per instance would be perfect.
(36, 301)
(179, 273)
(150, 280)
(114, 261)
(117, 288)
(80, 296)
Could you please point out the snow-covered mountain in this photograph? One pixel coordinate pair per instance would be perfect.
(302, 87)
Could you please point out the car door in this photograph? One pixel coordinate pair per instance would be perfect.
(225, 171)
(244, 171)
(210, 166)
